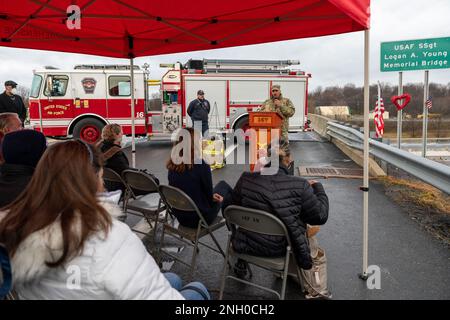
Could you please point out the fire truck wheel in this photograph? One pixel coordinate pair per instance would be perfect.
(242, 124)
(89, 130)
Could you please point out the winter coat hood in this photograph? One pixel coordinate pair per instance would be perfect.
(29, 263)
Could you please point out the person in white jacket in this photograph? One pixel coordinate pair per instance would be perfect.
(66, 243)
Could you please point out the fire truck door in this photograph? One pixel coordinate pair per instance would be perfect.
(56, 103)
(89, 94)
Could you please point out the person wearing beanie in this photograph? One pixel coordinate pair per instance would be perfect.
(9, 122)
(21, 152)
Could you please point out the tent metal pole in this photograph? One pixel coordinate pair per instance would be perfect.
(365, 187)
(133, 114)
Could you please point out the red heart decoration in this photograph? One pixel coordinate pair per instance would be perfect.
(406, 97)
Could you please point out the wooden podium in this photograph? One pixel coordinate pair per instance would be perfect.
(262, 122)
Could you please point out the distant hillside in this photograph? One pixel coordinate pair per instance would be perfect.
(352, 96)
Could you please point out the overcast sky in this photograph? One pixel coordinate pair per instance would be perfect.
(332, 60)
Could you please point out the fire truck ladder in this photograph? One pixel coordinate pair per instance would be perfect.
(214, 117)
(104, 67)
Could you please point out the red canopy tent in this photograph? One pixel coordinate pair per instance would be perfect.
(129, 29)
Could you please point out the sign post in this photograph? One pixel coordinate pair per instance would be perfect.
(408, 55)
(425, 115)
(399, 112)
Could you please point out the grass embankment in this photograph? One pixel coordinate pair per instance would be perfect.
(424, 203)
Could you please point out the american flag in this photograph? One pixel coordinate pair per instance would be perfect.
(429, 103)
(378, 118)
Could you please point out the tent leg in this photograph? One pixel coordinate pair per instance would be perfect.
(133, 114)
(365, 187)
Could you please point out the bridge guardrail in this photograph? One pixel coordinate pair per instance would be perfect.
(429, 171)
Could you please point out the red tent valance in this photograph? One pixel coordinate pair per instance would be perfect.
(135, 28)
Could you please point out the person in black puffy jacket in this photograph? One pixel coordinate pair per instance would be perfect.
(294, 200)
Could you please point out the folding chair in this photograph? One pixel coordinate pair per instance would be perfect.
(144, 204)
(175, 198)
(264, 223)
(112, 177)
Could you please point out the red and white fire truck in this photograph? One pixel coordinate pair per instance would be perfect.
(80, 102)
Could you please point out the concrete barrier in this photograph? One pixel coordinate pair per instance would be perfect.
(319, 124)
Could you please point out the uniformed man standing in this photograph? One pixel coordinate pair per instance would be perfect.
(283, 106)
(11, 102)
(199, 109)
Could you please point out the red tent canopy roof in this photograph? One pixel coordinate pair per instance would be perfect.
(123, 29)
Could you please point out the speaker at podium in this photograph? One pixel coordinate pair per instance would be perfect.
(263, 123)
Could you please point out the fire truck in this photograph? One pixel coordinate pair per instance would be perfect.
(81, 101)
(233, 88)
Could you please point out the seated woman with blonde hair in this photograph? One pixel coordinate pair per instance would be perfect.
(111, 147)
(114, 157)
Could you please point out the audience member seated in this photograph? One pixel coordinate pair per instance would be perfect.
(66, 244)
(193, 176)
(22, 151)
(9, 122)
(294, 200)
(114, 157)
(111, 148)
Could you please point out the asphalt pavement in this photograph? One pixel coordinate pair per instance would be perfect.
(412, 264)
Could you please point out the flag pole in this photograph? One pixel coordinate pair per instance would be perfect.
(399, 112)
(425, 116)
(365, 187)
(380, 114)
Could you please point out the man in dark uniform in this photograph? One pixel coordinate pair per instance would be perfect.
(11, 102)
(199, 109)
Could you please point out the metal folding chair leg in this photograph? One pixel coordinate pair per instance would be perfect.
(225, 269)
(161, 244)
(285, 274)
(217, 243)
(194, 255)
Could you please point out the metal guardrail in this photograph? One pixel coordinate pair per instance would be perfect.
(429, 171)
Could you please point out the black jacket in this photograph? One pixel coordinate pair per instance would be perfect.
(198, 110)
(14, 178)
(197, 184)
(292, 200)
(16, 105)
(118, 161)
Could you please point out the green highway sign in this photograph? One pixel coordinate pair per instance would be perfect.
(421, 54)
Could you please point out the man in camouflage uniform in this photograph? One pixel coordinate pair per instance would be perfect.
(283, 106)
